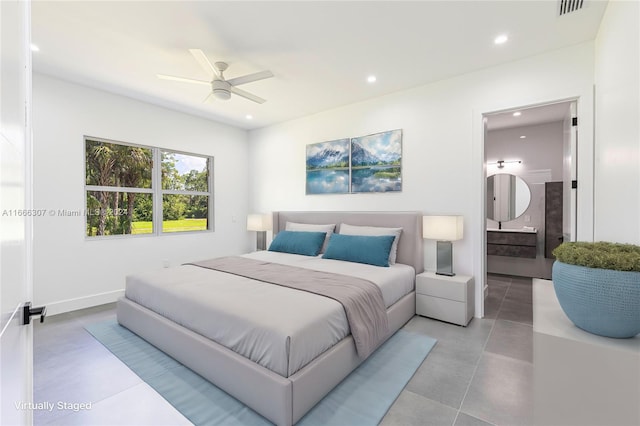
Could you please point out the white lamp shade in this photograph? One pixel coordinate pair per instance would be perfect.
(442, 228)
(259, 222)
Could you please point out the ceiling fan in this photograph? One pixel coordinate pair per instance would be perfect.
(220, 87)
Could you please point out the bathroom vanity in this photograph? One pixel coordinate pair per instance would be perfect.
(508, 197)
(512, 242)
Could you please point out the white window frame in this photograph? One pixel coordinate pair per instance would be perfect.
(156, 190)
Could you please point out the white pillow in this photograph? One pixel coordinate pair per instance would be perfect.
(310, 227)
(374, 231)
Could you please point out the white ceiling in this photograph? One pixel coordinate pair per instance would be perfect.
(320, 52)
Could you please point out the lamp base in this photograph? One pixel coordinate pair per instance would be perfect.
(444, 261)
(261, 240)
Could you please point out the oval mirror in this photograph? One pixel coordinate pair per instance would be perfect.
(508, 197)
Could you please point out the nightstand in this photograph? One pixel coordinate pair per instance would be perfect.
(449, 299)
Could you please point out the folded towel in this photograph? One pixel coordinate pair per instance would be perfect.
(528, 228)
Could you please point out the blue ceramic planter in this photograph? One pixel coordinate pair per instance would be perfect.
(600, 301)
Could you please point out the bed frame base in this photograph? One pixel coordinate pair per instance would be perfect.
(282, 400)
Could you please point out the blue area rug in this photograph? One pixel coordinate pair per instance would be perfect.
(361, 399)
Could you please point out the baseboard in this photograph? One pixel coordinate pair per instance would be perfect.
(69, 305)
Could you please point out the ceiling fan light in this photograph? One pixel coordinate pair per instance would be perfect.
(220, 87)
(222, 94)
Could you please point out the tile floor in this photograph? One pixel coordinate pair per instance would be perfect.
(476, 375)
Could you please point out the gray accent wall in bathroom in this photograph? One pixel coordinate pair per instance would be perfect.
(552, 217)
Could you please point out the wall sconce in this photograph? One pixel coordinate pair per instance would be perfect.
(444, 229)
(261, 223)
(501, 163)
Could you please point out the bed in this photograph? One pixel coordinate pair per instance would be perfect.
(289, 365)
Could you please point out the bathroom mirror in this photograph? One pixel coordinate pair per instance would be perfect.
(508, 197)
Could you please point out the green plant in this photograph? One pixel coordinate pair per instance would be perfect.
(601, 255)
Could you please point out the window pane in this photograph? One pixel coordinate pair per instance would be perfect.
(184, 172)
(111, 164)
(185, 213)
(119, 213)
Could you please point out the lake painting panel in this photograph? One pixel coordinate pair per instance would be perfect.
(328, 167)
(376, 162)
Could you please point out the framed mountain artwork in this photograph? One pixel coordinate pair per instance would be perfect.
(328, 167)
(376, 162)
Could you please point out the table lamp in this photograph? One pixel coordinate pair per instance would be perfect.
(261, 223)
(444, 229)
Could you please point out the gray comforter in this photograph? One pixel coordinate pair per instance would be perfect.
(361, 299)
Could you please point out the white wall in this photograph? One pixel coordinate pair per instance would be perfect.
(541, 149)
(442, 144)
(617, 150)
(71, 272)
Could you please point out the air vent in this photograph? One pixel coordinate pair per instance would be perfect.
(568, 6)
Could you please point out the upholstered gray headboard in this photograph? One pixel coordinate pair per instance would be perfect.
(410, 246)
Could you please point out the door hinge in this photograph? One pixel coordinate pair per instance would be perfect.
(574, 184)
(28, 312)
(574, 121)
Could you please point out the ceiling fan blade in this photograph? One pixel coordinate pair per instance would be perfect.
(204, 61)
(250, 78)
(182, 79)
(247, 95)
(209, 98)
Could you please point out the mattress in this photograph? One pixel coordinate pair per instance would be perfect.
(280, 328)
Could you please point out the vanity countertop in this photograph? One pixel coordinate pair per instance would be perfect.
(527, 231)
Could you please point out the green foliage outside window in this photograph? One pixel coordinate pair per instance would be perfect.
(112, 211)
(182, 206)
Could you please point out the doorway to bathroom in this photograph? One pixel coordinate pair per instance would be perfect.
(531, 169)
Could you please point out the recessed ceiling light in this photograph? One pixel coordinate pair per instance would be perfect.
(249, 117)
(517, 114)
(501, 39)
(523, 137)
(371, 79)
(34, 48)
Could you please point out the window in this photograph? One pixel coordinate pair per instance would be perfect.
(185, 192)
(126, 194)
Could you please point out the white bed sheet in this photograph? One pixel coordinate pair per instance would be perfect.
(277, 327)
